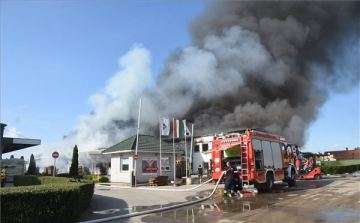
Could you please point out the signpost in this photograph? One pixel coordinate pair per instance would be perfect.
(55, 155)
(136, 157)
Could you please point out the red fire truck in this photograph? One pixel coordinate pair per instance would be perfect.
(260, 158)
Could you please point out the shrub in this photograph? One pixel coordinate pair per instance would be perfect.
(88, 177)
(340, 169)
(104, 179)
(63, 175)
(52, 199)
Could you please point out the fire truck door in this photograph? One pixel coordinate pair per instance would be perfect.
(217, 165)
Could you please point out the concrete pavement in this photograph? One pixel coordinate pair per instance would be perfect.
(112, 199)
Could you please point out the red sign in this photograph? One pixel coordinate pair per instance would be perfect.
(55, 155)
(150, 169)
(136, 157)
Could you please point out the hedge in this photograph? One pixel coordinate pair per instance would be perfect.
(340, 169)
(55, 200)
(104, 179)
(341, 163)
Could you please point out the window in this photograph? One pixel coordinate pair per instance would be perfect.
(197, 148)
(205, 147)
(124, 164)
(165, 164)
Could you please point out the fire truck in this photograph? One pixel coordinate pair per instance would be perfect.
(259, 157)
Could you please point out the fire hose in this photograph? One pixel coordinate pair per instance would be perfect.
(158, 209)
(163, 189)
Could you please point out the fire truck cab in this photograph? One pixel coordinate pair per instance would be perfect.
(259, 157)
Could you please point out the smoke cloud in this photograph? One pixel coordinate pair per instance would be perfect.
(252, 64)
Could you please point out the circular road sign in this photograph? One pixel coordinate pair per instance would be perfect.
(136, 157)
(55, 155)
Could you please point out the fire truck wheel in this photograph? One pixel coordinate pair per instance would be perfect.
(269, 182)
(292, 181)
(317, 177)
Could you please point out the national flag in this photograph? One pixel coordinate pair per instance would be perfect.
(178, 129)
(186, 129)
(165, 126)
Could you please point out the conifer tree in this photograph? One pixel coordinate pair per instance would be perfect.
(74, 162)
(32, 166)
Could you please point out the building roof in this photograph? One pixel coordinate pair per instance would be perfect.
(146, 144)
(13, 144)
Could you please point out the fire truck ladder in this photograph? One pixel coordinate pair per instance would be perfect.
(244, 163)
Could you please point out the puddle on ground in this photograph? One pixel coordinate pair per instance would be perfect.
(111, 211)
(216, 207)
(341, 215)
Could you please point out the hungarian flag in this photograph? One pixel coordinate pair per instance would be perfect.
(178, 128)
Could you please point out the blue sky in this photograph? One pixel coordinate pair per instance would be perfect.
(56, 54)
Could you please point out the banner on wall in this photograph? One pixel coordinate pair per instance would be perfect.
(149, 166)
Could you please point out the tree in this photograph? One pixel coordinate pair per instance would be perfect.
(12, 157)
(74, 162)
(32, 165)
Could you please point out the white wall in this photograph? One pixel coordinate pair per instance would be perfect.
(117, 175)
(199, 158)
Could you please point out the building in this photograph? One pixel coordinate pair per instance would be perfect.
(124, 162)
(345, 154)
(200, 154)
(7, 145)
(12, 144)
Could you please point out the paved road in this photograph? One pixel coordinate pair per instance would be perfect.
(333, 199)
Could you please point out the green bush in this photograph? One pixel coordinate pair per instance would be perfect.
(55, 200)
(26, 180)
(340, 169)
(104, 179)
(63, 175)
(87, 177)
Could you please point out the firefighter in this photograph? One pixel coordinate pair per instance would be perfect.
(310, 164)
(230, 180)
(200, 172)
(4, 176)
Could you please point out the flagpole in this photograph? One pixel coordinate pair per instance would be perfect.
(161, 123)
(174, 151)
(137, 139)
(186, 161)
(191, 145)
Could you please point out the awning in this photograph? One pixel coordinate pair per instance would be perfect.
(13, 144)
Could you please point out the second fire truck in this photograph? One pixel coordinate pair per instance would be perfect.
(260, 158)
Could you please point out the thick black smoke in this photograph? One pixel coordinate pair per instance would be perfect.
(262, 64)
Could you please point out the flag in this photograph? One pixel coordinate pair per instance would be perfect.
(165, 126)
(178, 129)
(186, 129)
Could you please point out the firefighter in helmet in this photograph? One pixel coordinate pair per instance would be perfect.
(230, 179)
(4, 176)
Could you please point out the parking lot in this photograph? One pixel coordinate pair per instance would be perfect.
(333, 199)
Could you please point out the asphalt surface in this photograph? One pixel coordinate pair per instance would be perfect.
(309, 201)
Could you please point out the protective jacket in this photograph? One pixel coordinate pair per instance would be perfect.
(4, 174)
